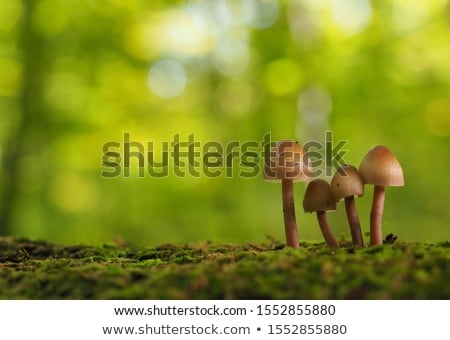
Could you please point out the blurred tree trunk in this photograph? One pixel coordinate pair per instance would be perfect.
(26, 139)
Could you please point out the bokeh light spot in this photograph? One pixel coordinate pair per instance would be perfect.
(282, 76)
(261, 14)
(303, 24)
(167, 79)
(410, 15)
(187, 33)
(352, 15)
(231, 57)
(314, 107)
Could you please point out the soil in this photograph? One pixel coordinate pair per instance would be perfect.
(41, 270)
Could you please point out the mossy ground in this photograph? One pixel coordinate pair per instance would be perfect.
(39, 270)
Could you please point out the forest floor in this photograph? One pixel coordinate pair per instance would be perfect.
(40, 270)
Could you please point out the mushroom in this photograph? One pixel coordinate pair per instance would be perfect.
(318, 198)
(285, 164)
(347, 183)
(380, 168)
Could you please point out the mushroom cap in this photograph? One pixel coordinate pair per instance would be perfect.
(318, 197)
(286, 161)
(380, 167)
(346, 182)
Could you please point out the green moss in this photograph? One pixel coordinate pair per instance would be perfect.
(39, 270)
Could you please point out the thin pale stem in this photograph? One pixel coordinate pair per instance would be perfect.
(376, 215)
(353, 221)
(326, 230)
(290, 225)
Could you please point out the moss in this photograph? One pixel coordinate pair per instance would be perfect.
(39, 270)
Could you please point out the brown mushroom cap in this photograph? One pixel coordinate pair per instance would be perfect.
(318, 197)
(286, 161)
(380, 167)
(347, 182)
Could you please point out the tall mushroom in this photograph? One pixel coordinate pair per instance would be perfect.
(286, 164)
(347, 183)
(319, 199)
(380, 168)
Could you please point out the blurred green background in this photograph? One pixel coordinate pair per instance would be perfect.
(75, 74)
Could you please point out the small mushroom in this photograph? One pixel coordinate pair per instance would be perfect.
(286, 164)
(347, 183)
(380, 168)
(319, 199)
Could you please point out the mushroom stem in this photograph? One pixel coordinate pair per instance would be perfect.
(290, 225)
(353, 221)
(376, 215)
(325, 228)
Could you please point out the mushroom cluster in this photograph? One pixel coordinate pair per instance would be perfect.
(287, 163)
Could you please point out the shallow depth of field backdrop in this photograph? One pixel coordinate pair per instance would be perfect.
(75, 74)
